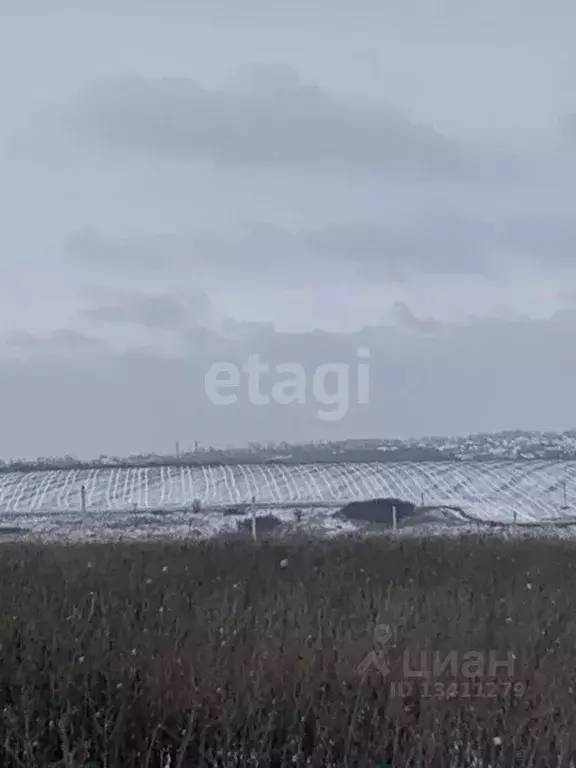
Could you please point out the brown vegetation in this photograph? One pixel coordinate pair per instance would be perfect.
(227, 653)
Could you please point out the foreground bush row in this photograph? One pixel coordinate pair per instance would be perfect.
(230, 654)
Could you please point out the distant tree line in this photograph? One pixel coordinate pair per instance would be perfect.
(509, 445)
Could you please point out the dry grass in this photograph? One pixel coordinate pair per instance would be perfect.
(230, 654)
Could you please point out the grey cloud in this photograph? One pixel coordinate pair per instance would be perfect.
(153, 251)
(451, 245)
(274, 120)
(443, 242)
(478, 377)
(62, 341)
(407, 319)
(455, 244)
(258, 243)
(154, 311)
(543, 238)
(568, 126)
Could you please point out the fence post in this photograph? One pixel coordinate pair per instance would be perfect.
(83, 499)
(254, 518)
(515, 518)
(394, 520)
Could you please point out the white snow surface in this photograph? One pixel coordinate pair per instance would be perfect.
(152, 498)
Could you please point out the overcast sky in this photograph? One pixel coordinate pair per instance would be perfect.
(186, 183)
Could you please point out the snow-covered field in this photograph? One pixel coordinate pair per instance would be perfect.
(147, 497)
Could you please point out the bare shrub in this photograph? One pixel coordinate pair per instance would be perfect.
(229, 654)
